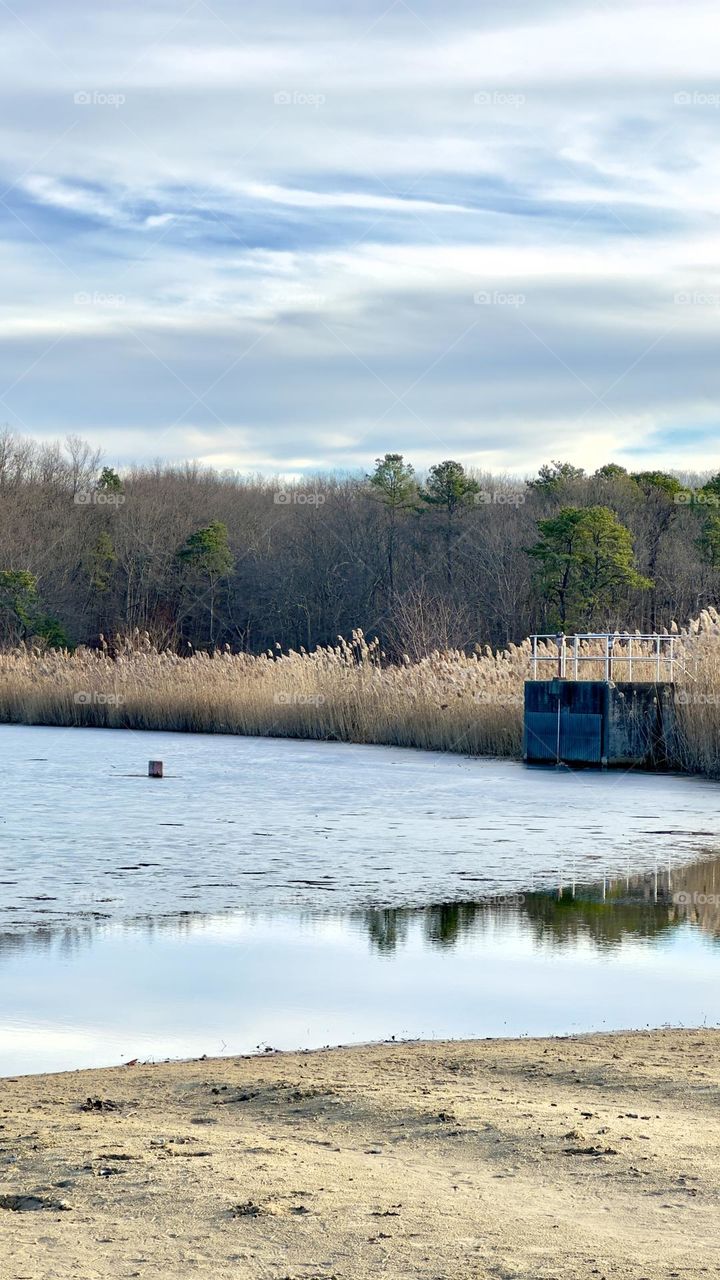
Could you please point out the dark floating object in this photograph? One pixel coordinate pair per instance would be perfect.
(155, 768)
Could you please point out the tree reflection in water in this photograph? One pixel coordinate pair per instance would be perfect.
(606, 914)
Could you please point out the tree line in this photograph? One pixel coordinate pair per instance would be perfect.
(188, 557)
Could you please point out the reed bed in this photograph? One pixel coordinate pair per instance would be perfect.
(447, 701)
(346, 692)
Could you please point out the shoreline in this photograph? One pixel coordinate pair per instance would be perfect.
(671, 769)
(272, 1053)
(664, 771)
(538, 1159)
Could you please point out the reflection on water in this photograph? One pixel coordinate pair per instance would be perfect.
(638, 907)
(548, 918)
(624, 953)
(644, 906)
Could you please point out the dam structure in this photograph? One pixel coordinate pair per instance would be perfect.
(600, 699)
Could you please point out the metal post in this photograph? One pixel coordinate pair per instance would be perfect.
(575, 657)
(607, 658)
(630, 657)
(657, 665)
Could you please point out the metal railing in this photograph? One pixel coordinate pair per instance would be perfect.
(626, 657)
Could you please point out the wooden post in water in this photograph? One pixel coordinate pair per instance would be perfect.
(155, 769)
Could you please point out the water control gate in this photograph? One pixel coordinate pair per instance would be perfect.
(601, 722)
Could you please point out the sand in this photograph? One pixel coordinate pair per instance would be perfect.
(589, 1157)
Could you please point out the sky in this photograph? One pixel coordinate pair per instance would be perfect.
(282, 238)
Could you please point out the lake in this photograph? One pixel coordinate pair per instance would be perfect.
(268, 892)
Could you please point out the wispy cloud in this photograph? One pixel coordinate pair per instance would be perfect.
(345, 194)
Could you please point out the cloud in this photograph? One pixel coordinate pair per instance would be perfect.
(74, 198)
(348, 200)
(300, 240)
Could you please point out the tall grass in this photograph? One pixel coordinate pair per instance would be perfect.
(447, 701)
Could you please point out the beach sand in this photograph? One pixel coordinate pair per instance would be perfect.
(591, 1157)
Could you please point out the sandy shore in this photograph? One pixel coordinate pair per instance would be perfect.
(542, 1159)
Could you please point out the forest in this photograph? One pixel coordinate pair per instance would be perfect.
(193, 558)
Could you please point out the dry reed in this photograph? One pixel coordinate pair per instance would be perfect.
(447, 701)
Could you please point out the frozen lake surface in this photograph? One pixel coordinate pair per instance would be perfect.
(273, 824)
(300, 894)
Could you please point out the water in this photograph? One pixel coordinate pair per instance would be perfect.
(271, 824)
(302, 894)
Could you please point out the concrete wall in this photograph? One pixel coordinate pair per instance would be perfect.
(596, 722)
(640, 724)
